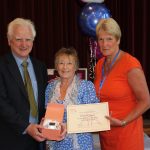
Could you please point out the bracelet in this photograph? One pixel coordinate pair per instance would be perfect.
(123, 123)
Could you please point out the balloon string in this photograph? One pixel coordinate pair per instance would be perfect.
(92, 61)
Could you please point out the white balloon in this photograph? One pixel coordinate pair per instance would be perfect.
(93, 1)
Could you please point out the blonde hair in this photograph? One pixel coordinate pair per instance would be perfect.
(110, 26)
(68, 52)
(20, 22)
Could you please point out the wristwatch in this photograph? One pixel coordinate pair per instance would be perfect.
(123, 123)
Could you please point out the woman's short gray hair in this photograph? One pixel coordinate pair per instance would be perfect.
(69, 52)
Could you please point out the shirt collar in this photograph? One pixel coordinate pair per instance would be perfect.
(19, 60)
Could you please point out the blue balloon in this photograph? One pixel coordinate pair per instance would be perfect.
(90, 15)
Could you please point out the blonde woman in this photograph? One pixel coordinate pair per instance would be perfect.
(119, 80)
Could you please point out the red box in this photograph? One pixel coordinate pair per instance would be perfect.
(53, 117)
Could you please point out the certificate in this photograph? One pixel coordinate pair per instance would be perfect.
(87, 118)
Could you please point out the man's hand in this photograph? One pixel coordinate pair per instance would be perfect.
(34, 131)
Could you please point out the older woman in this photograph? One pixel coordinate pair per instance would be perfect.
(70, 89)
(120, 81)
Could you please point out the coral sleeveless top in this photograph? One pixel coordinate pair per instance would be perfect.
(117, 92)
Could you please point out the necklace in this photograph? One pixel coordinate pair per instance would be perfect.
(103, 73)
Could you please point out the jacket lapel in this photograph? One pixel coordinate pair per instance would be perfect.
(14, 70)
(37, 75)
